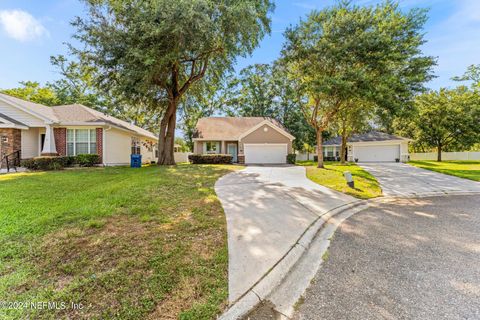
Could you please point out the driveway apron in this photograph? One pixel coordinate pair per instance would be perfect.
(399, 179)
(267, 210)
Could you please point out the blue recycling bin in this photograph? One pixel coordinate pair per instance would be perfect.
(136, 161)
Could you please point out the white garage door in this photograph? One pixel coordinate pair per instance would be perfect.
(265, 153)
(381, 153)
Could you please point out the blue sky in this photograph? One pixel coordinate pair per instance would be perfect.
(31, 31)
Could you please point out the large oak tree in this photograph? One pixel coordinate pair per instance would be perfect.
(348, 53)
(154, 51)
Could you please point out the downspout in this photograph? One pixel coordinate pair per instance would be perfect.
(104, 142)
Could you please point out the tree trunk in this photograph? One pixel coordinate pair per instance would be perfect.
(167, 135)
(343, 148)
(319, 148)
(439, 153)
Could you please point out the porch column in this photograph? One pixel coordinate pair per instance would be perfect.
(223, 147)
(49, 148)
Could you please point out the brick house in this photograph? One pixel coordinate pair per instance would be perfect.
(37, 130)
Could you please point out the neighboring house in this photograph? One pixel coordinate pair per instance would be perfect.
(247, 139)
(369, 147)
(38, 130)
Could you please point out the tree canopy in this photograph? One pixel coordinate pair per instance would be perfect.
(447, 119)
(154, 51)
(263, 90)
(33, 91)
(346, 52)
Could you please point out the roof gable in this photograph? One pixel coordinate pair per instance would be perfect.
(80, 114)
(6, 119)
(35, 109)
(231, 128)
(74, 114)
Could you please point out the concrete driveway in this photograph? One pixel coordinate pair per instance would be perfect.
(403, 259)
(267, 209)
(399, 179)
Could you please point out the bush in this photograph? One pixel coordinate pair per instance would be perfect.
(47, 163)
(291, 158)
(58, 163)
(87, 160)
(210, 158)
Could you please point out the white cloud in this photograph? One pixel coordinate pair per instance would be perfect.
(21, 26)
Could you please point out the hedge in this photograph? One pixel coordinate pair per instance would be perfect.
(58, 163)
(87, 160)
(210, 158)
(291, 158)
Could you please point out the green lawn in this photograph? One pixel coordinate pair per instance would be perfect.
(366, 186)
(125, 243)
(463, 169)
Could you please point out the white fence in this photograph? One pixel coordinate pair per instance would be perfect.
(466, 155)
(301, 156)
(181, 156)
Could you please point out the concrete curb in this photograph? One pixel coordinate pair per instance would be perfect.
(274, 277)
(294, 270)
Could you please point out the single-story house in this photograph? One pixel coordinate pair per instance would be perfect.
(37, 130)
(250, 140)
(369, 147)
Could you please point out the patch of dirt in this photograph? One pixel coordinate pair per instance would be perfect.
(264, 311)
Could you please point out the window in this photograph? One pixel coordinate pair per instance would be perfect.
(212, 147)
(136, 150)
(81, 141)
(330, 152)
(136, 146)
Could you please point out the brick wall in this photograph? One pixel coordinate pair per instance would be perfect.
(241, 159)
(10, 141)
(60, 135)
(100, 143)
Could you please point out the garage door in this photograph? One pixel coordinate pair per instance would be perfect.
(265, 153)
(381, 153)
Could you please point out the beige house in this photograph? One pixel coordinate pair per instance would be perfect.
(251, 140)
(372, 146)
(36, 130)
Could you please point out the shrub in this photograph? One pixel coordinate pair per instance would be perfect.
(291, 158)
(87, 160)
(47, 163)
(210, 158)
(58, 163)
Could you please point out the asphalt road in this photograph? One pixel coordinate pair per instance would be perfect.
(406, 259)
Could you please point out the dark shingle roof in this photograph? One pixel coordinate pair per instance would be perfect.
(364, 137)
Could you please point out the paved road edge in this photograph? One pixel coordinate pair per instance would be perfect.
(294, 269)
(274, 277)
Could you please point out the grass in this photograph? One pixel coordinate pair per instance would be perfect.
(124, 243)
(463, 169)
(366, 186)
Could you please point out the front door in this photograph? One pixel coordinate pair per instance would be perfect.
(42, 141)
(232, 150)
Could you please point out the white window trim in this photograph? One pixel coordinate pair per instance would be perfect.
(75, 140)
(205, 147)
